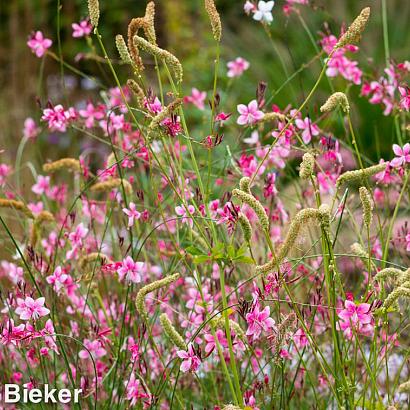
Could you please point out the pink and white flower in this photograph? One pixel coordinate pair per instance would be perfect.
(258, 321)
(186, 215)
(29, 308)
(196, 98)
(131, 271)
(132, 213)
(237, 67)
(81, 29)
(264, 12)
(39, 44)
(356, 318)
(250, 114)
(191, 361)
(403, 155)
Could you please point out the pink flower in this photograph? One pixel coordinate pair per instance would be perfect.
(94, 347)
(30, 130)
(91, 114)
(42, 186)
(134, 390)
(4, 172)
(57, 279)
(58, 118)
(81, 29)
(31, 309)
(190, 360)
(181, 211)
(237, 67)
(405, 98)
(355, 317)
(403, 155)
(308, 128)
(210, 341)
(76, 237)
(249, 114)
(14, 272)
(249, 7)
(300, 339)
(222, 117)
(258, 321)
(408, 242)
(153, 105)
(39, 44)
(132, 214)
(197, 98)
(130, 270)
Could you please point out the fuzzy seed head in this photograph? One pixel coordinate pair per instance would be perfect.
(151, 287)
(367, 205)
(161, 54)
(253, 203)
(353, 33)
(307, 166)
(70, 164)
(335, 100)
(214, 19)
(122, 49)
(360, 174)
(246, 227)
(171, 332)
(94, 12)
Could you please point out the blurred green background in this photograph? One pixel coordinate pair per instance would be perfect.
(182, 27)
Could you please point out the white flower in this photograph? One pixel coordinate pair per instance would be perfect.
(264, 12)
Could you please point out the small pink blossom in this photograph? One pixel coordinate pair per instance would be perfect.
(94, 347)
(57, 279)
(58, 118)
(408, 242)
(81, 29)
(186, 216)
(237, 67)
(29, 308)
(196, 98)
(130, 270)
(92, 113)
(42, 186)
(132, 214)
(39, 44)
(258, 321)
(402, 155)
(190, 360)
(356, 318)
(134, 390)
(30, 130)
(210, 341)
(4, 172)
(250, 114)
(405, 98)
(309, 129)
